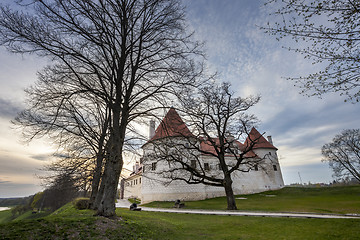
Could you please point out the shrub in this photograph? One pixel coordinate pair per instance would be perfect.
(81, 203)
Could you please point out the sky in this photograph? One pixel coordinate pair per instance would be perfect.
(254, 63)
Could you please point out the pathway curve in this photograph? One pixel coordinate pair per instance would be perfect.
(123, 203)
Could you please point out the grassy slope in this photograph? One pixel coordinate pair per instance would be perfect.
(339, 200)
(69, 223)
(5, 216)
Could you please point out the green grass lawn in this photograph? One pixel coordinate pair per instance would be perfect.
(338, 200)
(69, 223)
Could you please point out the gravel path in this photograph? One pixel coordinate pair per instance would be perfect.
(123, 203)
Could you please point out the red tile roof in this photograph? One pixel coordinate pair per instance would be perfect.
(171, 126)
(260, 141)
(207, 146)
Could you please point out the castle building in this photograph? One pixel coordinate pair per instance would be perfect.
(149, 183)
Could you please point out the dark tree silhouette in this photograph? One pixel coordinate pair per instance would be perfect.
(343, 154)
(74, 120)
(128, 54)
(59, 192)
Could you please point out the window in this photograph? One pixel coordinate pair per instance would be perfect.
(275, 167)
(206, 166)
(153, 166)
(135, 181)
(256, 168)
(140, 180)
(193, 163)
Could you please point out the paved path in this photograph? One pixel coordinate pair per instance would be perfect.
(123, 203)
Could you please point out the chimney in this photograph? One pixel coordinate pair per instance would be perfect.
(151, 129)
(270, 140)
(137, 166)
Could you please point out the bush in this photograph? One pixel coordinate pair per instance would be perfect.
(81, 203)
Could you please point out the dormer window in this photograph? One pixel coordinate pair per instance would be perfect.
(193, 163)
(153, 166)
(206, 167)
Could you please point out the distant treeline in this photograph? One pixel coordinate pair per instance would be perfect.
(8, 202)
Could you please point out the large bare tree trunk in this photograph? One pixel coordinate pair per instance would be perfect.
(111, 180)
(230, 198)
(98, 168)
(114, 163)
(99, 195)
(96, 181)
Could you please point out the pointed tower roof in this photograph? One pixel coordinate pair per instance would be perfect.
(171, 126)
(260, 141)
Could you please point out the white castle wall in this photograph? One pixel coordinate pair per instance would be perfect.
(133, 187)
(275, 179)
(155, 188)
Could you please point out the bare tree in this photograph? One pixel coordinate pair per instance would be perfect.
(343, 154)
(333, 32)
(217, 119)
(75, 120)
(80, 168)
(127, 53)
(60, 191)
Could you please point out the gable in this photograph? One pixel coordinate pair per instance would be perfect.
(258, 139)
(171, 126)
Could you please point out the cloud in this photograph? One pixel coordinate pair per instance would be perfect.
(9, 190)
(18, 166)
(18, 175)
(4, 181)
(9, 109)
(41, 157)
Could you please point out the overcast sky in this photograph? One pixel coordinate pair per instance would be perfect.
(252, 61)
